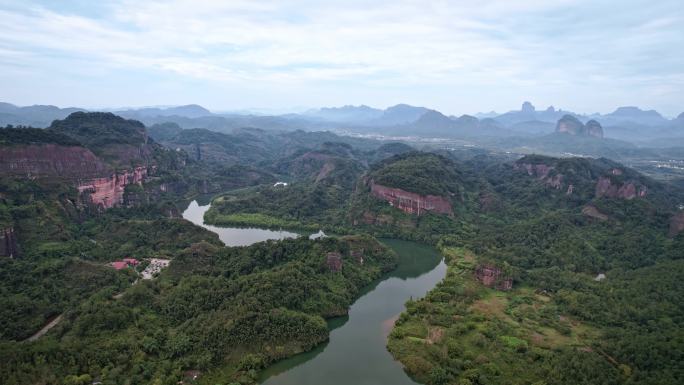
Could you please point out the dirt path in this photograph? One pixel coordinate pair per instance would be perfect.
(45, 328)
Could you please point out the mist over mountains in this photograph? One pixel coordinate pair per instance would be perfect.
(627, 123)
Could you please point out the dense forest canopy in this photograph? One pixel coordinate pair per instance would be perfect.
(27, 135)
(421, 173)
(553, 226)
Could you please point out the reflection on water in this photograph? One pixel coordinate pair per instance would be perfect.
(233, 236)
(356, 352)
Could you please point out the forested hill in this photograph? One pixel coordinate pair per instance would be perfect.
(563, 182)
(56, 256)
(586, 252)
(596, 279)
(28, 135)
(419, 172)
(96, 129)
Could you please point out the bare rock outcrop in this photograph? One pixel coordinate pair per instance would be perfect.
(593, 128)
(108, 192)
(9, 247)
(608, 186)
(492, 276)
(605, 187)
(51, 160)
(411, 203)
(571, 125)
(542, 172)
(677, 224)
(592, 212)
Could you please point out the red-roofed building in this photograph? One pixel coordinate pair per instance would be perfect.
(131, 261)
(118, 265)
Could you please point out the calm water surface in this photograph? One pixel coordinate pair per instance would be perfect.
(233, 236)
(356, 353)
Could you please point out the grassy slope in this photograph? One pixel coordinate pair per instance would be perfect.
(465, 333)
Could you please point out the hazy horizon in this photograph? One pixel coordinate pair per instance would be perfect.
(455, 57)
(302, 109)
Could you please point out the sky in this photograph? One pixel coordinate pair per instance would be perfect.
(455, 56)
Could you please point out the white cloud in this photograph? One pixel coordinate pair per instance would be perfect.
(488, 43)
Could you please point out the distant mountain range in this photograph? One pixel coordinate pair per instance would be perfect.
(36, 116)
(188, 111)
(625, 123)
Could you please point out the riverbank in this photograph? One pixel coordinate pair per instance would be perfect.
(356, 351)
(348, 274)
(466, 321)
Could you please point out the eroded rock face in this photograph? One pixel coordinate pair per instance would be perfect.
(677, 224)
(593, 128)
(51, 160)
(571, 125)
(541, 171)
(411, 203)
(627, 190)
(492, 276)
(593, 212)
(108, 192)
(9, 246)
(605, 187)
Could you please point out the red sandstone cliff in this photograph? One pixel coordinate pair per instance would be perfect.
(108, 192)
(605, 186)
(541, 172)
(51, 160)
(677, 224)
(627, 190)
(409, 202)
(95, 180)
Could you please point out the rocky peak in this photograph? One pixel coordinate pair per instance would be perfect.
(527, 107)
(593, 128)
(569, 124)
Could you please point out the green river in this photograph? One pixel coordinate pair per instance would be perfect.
(356, 353)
